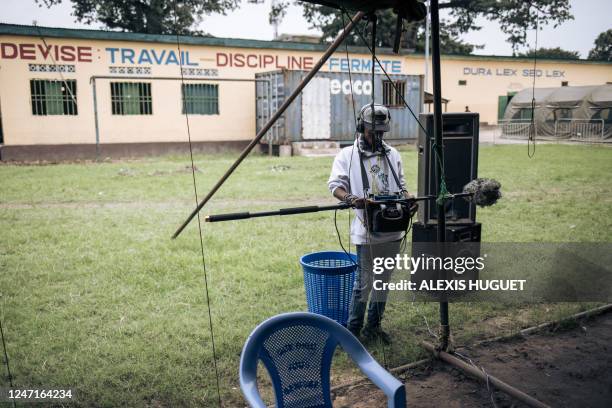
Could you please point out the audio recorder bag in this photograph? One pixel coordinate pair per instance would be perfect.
(389, 216)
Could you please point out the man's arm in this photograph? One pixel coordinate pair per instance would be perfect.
(339, 182)
(340, 193)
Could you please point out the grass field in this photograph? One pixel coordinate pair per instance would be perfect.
(94, 294)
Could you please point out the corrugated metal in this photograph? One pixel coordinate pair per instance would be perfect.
(316, 110)
(342, 119)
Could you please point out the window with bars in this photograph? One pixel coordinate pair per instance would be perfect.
(524, 114)
(200, 99)
(563, 113)
(393, 96)
(131, 98)
(53, 97)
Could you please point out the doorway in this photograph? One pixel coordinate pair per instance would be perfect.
(502, 103)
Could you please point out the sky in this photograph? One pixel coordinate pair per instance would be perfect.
(251, 21)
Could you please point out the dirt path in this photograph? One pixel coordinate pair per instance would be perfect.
(562, 368)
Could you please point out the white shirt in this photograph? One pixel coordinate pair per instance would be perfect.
(346, 173)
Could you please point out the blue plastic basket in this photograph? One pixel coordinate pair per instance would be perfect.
(328, 280)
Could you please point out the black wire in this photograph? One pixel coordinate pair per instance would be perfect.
(195, 189)
(6, 360)
(404, 239)
(340, 239)
(348, 62)
(373, 51)
(349, 181)
(531, 142)
(440, 160)
(365, 41)
(354, 134)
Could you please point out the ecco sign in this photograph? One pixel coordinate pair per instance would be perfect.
(358, 87)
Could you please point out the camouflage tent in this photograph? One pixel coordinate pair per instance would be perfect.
(577, 112)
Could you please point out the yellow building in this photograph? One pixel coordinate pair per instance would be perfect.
(63, 92)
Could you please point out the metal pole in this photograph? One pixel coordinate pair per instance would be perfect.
(95, 107)
(439, 152)
(270, 134)
(373, 18)
(152, 78)
(332, 48)
(487, 378)
(427, 31)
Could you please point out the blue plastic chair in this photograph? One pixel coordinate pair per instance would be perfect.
(297, 350)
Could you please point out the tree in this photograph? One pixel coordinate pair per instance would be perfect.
(515, 18)
(142, 16)
(330, 22)
(556, 52)
(603, 47)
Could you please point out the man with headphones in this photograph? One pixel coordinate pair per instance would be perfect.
(369, 166)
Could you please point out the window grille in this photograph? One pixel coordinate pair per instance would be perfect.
(53, 97)
(200, 99)
(391, 97)
(131, 98)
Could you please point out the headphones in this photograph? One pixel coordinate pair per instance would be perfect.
(361, 123)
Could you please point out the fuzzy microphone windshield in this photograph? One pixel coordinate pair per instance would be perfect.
(484, 192)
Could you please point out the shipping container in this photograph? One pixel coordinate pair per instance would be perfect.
(327, 107)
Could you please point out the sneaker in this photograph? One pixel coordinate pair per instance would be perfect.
(376, 333)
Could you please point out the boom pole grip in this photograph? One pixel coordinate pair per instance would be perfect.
(227, 217)
(299, 210)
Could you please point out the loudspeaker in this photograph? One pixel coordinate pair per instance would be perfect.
(462, 241)
(454, 233)
(460, 139)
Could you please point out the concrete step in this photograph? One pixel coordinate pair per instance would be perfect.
(315, 149)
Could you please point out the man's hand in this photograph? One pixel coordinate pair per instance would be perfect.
(414, 206)
(354, 201)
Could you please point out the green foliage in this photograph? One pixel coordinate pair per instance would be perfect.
(603, 47)
(330, 22)
(95, 295)
(515, 18)
(151, 17)
(556, 52)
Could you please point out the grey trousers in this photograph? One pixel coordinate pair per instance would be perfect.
(363, 284)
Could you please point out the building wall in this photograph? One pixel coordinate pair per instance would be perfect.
(487, 78)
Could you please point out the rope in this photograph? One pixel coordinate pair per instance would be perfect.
(6, 360)
(195, 189)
